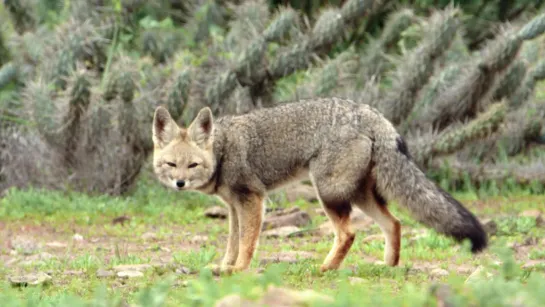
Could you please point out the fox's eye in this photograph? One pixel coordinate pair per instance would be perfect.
(192, 165)
(171, 164)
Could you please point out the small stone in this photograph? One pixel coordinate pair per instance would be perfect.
(199, 239)
(130, 274)
(37, 259)
(535, 214)
(165, 249)
(276, 296)
(300, 191)
(148, 236)
(289, 257)
(11, 262)
(438, 272)
(464, 270)
(77, 237)
(30, 279)
(233, 300)
(216, 212)
(25, 245)
(183, 271)
(56, 244)
(104, 273)
(296, 218)
(490, 226)
(281, 232)
(132, 267)
(73, 272)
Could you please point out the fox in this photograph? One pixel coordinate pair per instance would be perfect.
(350, 152)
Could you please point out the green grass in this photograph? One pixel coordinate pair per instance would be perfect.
(175, 219)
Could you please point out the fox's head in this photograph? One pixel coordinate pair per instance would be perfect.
(183, 158)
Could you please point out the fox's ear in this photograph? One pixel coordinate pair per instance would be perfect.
(164, 127)
(200, 130)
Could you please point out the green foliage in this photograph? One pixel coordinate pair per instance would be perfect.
(89, 83)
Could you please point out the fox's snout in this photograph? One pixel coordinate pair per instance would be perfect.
(180, 183)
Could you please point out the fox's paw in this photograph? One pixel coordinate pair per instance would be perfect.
(219, 270)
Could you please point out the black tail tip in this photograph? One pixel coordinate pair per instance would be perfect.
(474, 232)
(479, 241)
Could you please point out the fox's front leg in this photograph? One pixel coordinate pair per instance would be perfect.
(231, 253)
(250, 219)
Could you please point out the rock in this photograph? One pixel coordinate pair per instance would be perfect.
(148, 236)
(25, 245)
(11, 262)
(77, 237)
(234, 300)
(356, 280)
(30, 279)
(464, 270)
(216, 212)
(289, 257)
(130, 274)
(299, 191)
(104, 273)
(198, 239)
(296, 218)
(281, 232)
(438, 272)
(36, 259)
(183, 271)
(490, 226)
(276, 296)
(73, 272)
(535, 214)
(132, 267)
(56, 244)
(283, 211)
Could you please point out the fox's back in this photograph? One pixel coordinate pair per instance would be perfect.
(278, 143)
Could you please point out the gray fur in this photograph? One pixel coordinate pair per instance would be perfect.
(344, 147)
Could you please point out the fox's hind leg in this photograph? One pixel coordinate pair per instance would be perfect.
(339, 215)
(336, 173)
(374, 206)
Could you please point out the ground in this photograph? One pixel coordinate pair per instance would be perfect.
(80, 243)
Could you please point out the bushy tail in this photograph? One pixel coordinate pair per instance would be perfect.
(399, 178)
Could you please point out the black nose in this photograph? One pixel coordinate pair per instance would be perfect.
(180, 183)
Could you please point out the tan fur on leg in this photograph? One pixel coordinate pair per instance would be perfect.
(344, 237)
(388, 223)
(231, 252)
(250, 222)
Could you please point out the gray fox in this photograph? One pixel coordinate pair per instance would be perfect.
(350, 152)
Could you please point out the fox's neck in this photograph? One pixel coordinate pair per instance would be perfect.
(211, 187)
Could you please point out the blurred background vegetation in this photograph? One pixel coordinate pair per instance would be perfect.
(79, 80)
